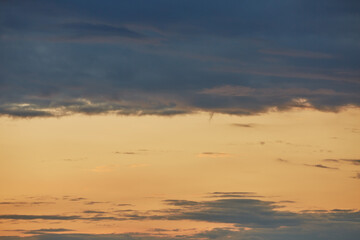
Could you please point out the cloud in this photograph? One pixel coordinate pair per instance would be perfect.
(62, 217)
(246, 212)
(126, 153)
(234, 195)
(153, 58)
(92, 211)
(93, 202)
(282, 160)
(83, 31)
(48, 230)
(331, 160)
(350, 161)
(248, 218)
(77, 199)
(213, 155)
(25, 203)
(124, 204)
(43, 217)
(296, 53)
(315, 232)
(357, 176)
(244, 125)
(321, 166)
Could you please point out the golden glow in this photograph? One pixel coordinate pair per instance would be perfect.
(112, 160)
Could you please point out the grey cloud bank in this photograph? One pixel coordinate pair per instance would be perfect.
(175, 57)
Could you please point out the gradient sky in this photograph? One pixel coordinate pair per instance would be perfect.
(159, 119)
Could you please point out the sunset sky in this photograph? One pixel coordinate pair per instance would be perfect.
(179, 119)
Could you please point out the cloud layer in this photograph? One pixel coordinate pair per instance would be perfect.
(165, 58)
(250, 217)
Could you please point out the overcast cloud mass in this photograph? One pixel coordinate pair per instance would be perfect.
(174, 57)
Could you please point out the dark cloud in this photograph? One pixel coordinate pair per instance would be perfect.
(214, 154)
(124, 204)
(282, 160)
(247, 212)
(166, 58)
(42, 217)
(357, 176)
(63, 217)
(126, 153)
(350, 161)
(245, 125)
(267, 220)
(321, 166)
(24, 203)
(93, 202)
(92, 211)
(77, 199)
(331, 160)
(48, 230)
(315, 232)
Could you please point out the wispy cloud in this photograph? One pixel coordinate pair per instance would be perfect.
(243, 125)
(213, 155)
(342, 160)
(321, 166)
(25, 203)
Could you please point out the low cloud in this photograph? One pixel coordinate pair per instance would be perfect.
(250, 219)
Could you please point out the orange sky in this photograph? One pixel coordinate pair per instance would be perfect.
(141, 161)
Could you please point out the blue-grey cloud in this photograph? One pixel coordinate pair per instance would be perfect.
(165, 58)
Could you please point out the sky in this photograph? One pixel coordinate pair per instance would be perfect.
(144, 120)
